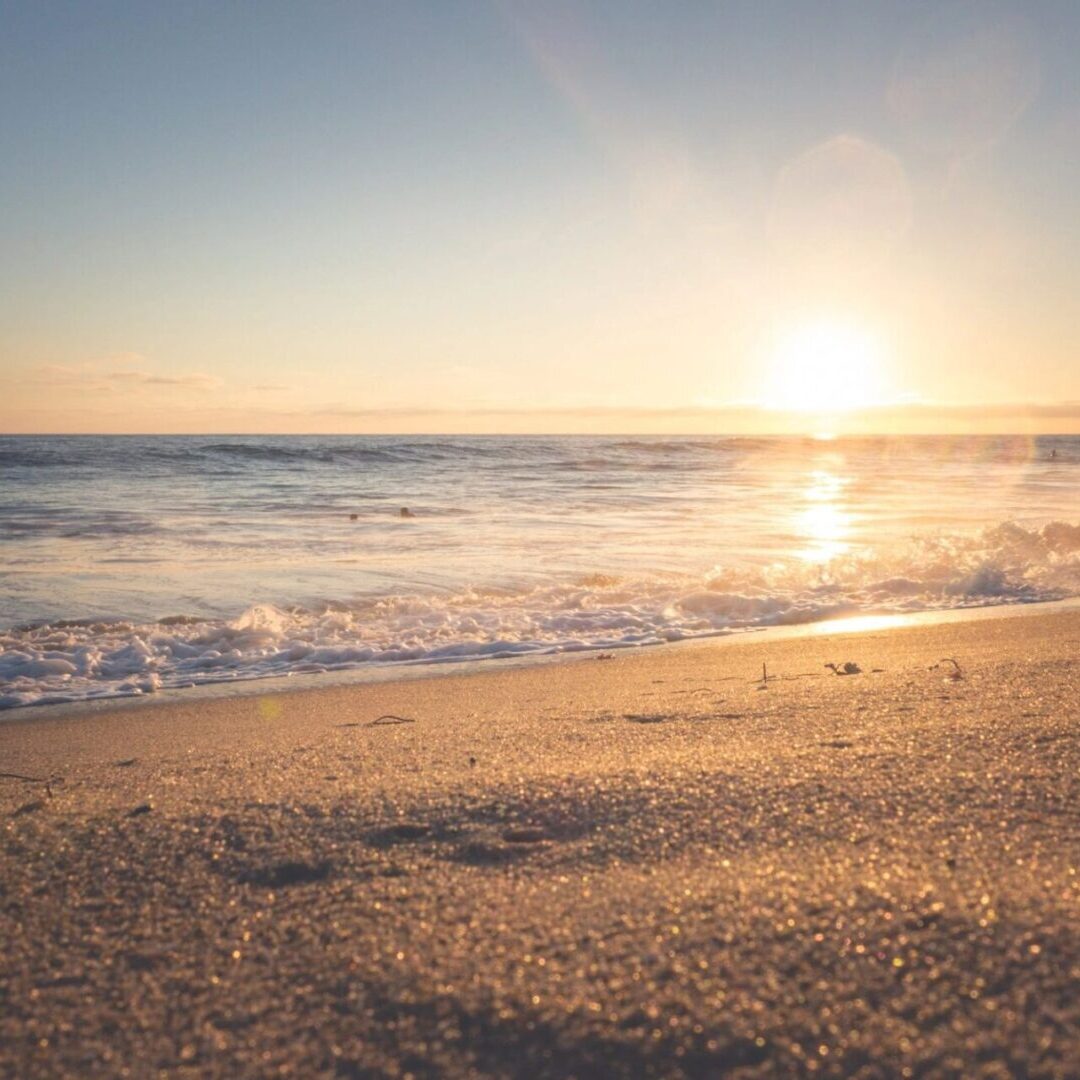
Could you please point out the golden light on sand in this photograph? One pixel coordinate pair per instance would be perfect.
(826, 367)
(859, 624)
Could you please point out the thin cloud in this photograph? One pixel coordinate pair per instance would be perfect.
(95, 380)
(1046, 410)
(196, 380)
(961, 411)
(61, 372)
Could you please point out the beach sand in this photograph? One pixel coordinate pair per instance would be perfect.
(636, 866)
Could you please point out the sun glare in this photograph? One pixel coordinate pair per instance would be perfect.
(826, 367)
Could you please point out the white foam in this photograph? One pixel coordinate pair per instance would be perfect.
(1007, 563)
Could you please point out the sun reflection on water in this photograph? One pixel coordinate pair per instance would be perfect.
(822, 522)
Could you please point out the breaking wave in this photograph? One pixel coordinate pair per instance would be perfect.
(76, 659)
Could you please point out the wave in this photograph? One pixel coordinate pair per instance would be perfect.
(685, 446)
(374, 451)
(263, 452)
(78, 524)
(77, 659)
(227, 455)
(183, 452)
(31, 457)
(535, 452)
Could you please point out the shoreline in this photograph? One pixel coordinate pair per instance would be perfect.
(413, 670)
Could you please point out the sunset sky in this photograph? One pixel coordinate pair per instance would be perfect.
(474, 215)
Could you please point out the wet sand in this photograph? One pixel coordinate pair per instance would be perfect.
(653, 864)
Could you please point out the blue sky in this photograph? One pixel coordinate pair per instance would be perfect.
(485, 215)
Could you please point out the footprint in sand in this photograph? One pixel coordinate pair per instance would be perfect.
(401, 832)
(527, 834)
(283, 874)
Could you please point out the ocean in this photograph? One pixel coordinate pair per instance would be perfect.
(131, 564)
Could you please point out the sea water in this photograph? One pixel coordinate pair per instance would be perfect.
(135, 563)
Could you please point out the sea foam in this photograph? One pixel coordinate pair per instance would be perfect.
(66, 660)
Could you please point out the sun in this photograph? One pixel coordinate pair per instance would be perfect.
(826, 367)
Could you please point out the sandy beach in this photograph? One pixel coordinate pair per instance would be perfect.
(648, 864)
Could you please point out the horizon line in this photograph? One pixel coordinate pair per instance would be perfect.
(808, 434)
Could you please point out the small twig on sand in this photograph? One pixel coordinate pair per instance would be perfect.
(955, 674)
(765, 679)
(605, 656)
(380, 721)
(48, 781)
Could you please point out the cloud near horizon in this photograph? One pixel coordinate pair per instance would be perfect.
(190, 418)
(97, 379)
(1068, 409)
